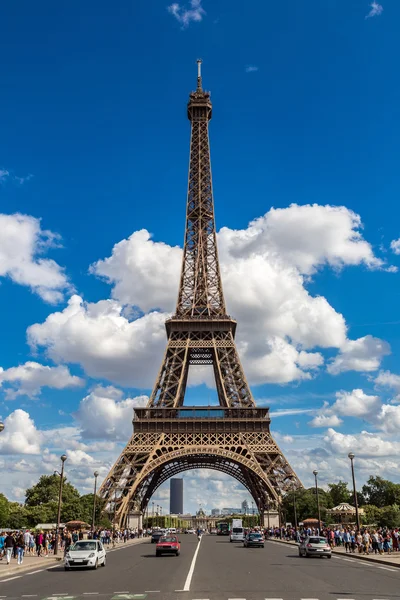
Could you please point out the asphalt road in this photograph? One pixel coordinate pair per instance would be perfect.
(215, 570)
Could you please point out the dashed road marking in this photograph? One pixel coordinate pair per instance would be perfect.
(188, 581)
(387, 569)
(10, 579)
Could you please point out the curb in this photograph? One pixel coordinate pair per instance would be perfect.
(16, 570)
(357, 556)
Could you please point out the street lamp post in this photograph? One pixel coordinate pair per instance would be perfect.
(351, 457)
(63, 459)
(294, 507)
(96, 474)
(152, 515)
(315, 473)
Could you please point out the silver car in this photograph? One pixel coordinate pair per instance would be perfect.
(314, 545)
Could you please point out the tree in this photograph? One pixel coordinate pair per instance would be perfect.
(381, 492)
(44, 513)
(371, 514)
(86, 508)
(389, 516)
(47, 490)
(18, 516)
(339, 493)
(4, 511)
(306, 504)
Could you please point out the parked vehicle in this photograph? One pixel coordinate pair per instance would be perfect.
(168, 544)
(315, 546)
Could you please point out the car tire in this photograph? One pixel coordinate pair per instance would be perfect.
(178, 553)
(96, 564)
(329, 556)
(103, 564)
(158, 553)
(66, 568)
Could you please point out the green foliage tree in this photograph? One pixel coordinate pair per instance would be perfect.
(389, 516)
(339, 493)
(371, 514)
(4, 511)
(86, 508)
(306, 504)
(18, 516)
(381, 492)
(47, 490)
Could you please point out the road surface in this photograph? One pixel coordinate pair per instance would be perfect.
(212, 570)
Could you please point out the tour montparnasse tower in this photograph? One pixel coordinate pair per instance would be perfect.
(169, 437)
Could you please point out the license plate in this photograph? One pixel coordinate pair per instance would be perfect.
(319, 550)
(78, 560)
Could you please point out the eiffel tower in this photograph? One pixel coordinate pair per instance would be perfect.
(169, 437)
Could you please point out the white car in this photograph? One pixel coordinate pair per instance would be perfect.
(85, 553)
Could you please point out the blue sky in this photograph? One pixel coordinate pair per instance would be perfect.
(94, 147)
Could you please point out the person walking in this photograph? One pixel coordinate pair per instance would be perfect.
(9, 544)
(20, 545)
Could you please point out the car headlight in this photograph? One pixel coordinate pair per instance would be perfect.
(68, 555)
(92, 555)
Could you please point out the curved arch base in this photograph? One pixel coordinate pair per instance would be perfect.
(149, 459)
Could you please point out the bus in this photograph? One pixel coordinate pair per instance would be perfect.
(222, 528)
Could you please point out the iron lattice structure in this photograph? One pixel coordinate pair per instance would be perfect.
(169, 438)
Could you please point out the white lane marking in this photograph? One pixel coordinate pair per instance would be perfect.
(188, 581)
(151, 591)
(349, 559)
(10, 579)
(33, 572)
(387, 569)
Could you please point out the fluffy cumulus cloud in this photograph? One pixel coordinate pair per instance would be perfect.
(20, 435)
(105, 414)
(363, 444)
(22, 244)
(386, 379)
(395, 246)
(103, 341)
(29, 378)
(265, 270)
(364, 354)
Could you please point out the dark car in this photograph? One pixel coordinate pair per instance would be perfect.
(253, 540)
(168, 545)
(314, 545)
(155, 536)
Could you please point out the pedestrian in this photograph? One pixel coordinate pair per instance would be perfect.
(20, 545)
(9, 544)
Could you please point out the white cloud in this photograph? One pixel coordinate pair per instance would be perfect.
(288, 412)
(265, 269)
(251, 68)
(4, 174)
(21, 242)
(20, 435)
(356, 404)
(364, 354)
(363, 444)
(375, 10)
(389, 380)
(29, 378)
(388, 419)
(104, 342)
(395, 246)
(325, 420)
(192, 12)
(105, 414)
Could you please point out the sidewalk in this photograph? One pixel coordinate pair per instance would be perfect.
(390, 560)
(35, 563)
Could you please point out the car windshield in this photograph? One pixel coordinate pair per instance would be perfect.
(255, 536)
(170, 538)
(317, 540)
(84, 546)
(237, 530)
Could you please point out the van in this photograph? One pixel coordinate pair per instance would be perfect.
(172, 530)
(237, 534)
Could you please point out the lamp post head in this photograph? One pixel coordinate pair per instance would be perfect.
(63, 458)
(315, 472)
(1, 426)
(351, 455)
(96, 474)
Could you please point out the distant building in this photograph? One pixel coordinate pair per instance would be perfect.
(176, 496)
(215, 512)
(231, 511)
(245, 507)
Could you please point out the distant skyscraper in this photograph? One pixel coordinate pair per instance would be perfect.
(245, 507)
(215, 512)
(176, 497)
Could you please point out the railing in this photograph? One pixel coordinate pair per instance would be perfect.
(201, 412)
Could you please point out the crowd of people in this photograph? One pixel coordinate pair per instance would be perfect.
(364, 541)
(17, 544)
